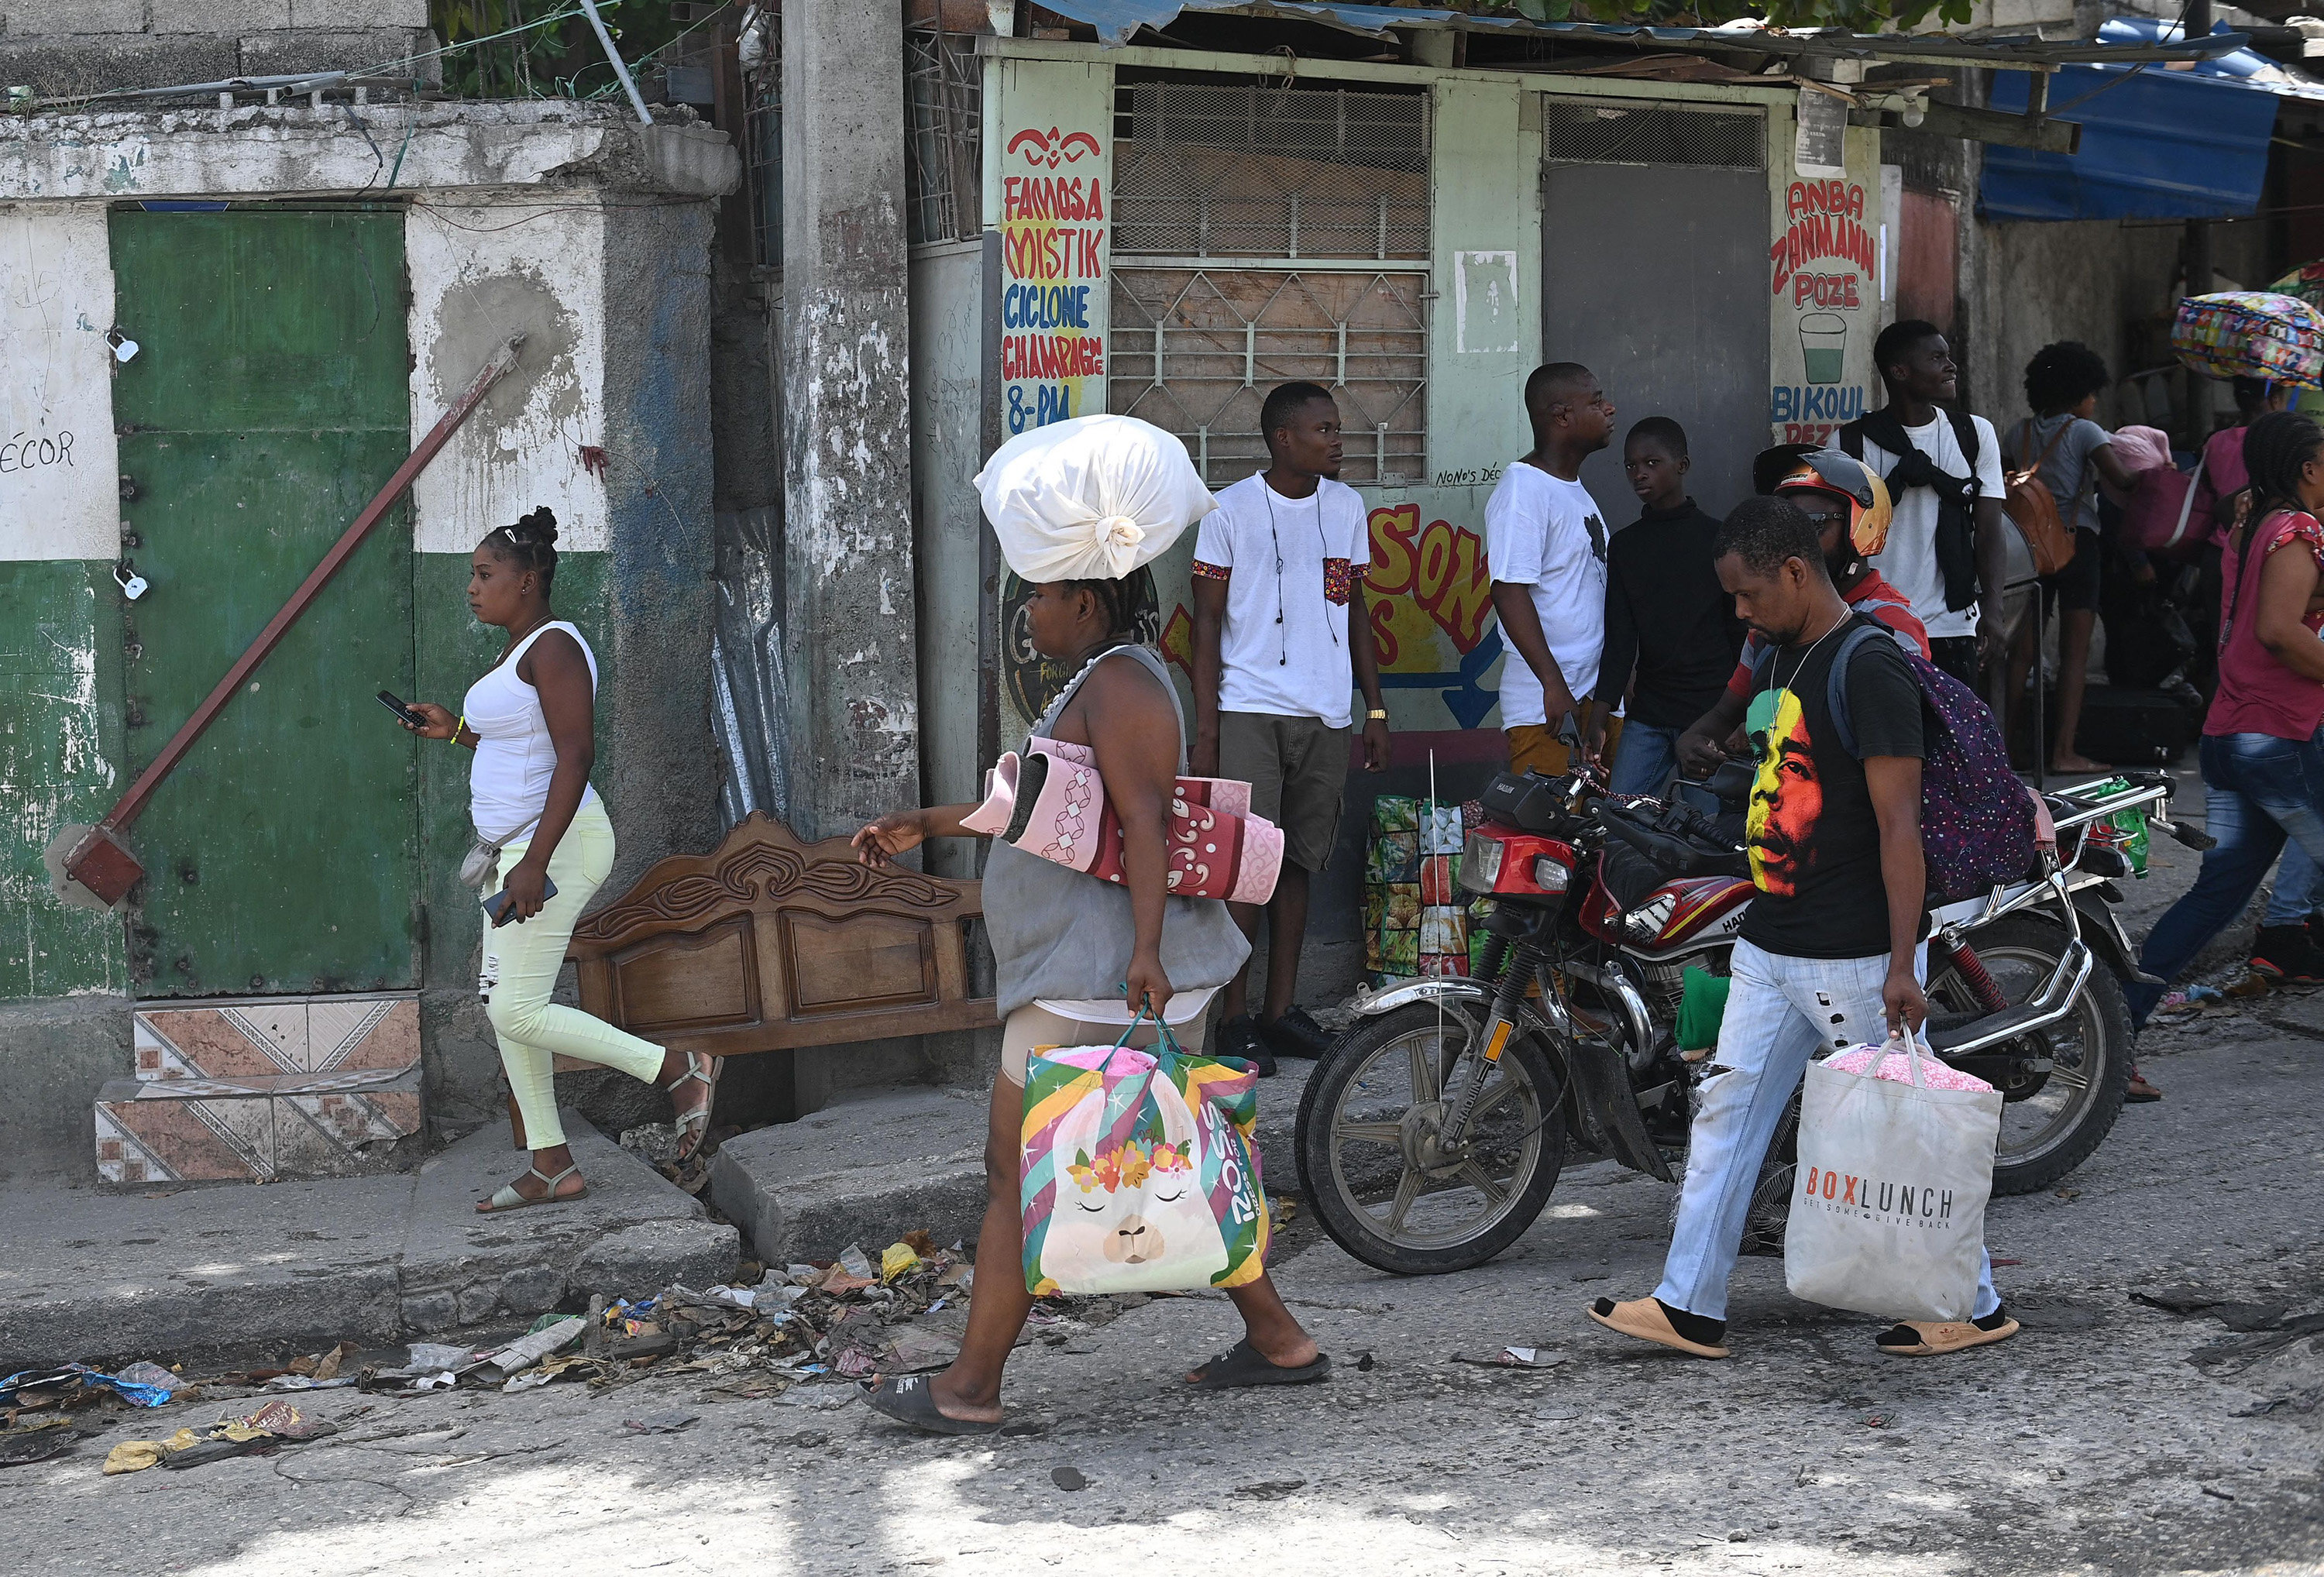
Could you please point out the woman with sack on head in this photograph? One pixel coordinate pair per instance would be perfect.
(1079, 958)
(545, 845)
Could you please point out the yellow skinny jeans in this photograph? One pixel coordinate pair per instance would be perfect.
(522, 958)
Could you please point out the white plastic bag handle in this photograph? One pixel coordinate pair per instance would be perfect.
(1913, 1053)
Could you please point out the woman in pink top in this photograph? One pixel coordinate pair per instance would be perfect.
(2262, 764)
(2223, 456)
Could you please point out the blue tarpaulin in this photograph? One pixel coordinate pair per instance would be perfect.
(2156, 144)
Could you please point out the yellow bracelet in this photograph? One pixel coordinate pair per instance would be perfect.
(459, 728)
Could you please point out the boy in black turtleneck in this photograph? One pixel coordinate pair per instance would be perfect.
(1665, 614)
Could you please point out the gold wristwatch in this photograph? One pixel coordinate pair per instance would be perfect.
(1376, 715)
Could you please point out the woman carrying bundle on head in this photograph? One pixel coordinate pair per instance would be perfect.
(544, 846)
(2262, 764)
(1080, 960)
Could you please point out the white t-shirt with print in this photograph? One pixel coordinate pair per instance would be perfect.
(1547, 534)
(1910, 560)
(1290, 566)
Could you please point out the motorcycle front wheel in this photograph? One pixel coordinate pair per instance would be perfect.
(2049, 1122)
(1367, 1143)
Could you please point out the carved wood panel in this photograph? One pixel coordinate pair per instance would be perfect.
(767, 944)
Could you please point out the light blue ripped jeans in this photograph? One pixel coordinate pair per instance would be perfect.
(2296, 895)
(1780, 1012)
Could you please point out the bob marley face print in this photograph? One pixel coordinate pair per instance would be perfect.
(1786, 796)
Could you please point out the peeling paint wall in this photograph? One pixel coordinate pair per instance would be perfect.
(480, 272)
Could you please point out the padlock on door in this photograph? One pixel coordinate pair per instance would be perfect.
(132, 584)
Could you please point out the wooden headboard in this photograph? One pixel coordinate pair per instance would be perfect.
(767, 944)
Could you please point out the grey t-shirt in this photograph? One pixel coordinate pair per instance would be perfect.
(2066, 471)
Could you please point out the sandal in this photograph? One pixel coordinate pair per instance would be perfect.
(911, 1399)
(694, 1124)
(508, 1198)
(1643, 1319)
(1934, 1338)
(1245, 1365)
(2139, 1090)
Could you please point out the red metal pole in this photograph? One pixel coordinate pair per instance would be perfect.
(104, 856)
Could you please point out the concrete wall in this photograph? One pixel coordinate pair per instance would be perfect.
(67, 48)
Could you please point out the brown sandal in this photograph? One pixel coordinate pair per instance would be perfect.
(1935, 1338)
(1643, 1319)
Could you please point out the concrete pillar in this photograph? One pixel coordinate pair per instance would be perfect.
(850, 615)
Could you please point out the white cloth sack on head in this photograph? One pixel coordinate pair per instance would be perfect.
(1090, 499)
(1888, 1204)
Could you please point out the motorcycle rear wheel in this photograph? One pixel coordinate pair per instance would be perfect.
(1371, 1109)
(2050, 1130)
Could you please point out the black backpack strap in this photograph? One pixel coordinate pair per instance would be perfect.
(1965, 434)
(1835, 685)
(1852, 440)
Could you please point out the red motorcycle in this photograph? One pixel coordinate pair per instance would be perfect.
(1430, 1138)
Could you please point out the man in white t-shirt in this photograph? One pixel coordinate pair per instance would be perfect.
(1282, 638)
(1945, 545)
(1545, 548)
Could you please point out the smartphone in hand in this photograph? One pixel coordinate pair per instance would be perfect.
(502, 905)
(404, 714)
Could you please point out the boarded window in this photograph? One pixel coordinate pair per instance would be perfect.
(1574, 132)
(944, 91)
(1263, 235)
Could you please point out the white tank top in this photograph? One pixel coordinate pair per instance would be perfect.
(508, 782)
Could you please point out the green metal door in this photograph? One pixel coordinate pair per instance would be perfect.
(267, 402)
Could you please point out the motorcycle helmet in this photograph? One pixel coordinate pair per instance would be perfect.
(1803, 467)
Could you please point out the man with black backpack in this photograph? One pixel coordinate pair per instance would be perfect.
(1943, 471)
(1837, 721)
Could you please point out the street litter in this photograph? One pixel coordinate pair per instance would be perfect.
(668, 1422)
(529, 1350)
(76, 1385)
(152, 1374)
(257, 1433)
(1518, 1357)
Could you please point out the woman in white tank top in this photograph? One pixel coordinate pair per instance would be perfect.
(529, 720)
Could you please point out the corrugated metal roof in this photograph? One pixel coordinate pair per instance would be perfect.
(1117, 19)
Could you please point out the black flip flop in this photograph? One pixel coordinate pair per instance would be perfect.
(1245, 1365)
(910, 1399)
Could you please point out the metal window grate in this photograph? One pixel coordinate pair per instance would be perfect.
(763, 145)
(1195, 350)
(1606, 134)
(943, 93)
(1278, 172)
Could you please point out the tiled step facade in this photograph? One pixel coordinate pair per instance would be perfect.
(262, 1089)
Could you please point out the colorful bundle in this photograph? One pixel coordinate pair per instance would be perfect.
(1141, 1172)
(2251, 334)
(1416, 921)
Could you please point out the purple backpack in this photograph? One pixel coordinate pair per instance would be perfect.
(1976, 819)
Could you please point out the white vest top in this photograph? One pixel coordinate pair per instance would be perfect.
(508, 782)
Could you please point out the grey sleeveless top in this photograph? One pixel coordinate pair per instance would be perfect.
(1061, 935)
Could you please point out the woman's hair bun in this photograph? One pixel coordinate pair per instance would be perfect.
(537, 528)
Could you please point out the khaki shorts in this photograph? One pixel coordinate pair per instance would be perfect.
(1534, 749)
(1030, 1028)
(1298, 770)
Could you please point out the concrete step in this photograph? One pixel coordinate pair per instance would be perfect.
(871, 1168)
(92, 1273)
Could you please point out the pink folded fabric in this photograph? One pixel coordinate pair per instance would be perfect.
(2141, 448)
(1897, 1066)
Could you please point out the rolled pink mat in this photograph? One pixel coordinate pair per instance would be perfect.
(1262, 861)
(2141, 448)
(999, 805)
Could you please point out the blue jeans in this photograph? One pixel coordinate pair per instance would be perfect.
(2259, 790)
(1780, 1012)
(1645, 758)
(2295, 895)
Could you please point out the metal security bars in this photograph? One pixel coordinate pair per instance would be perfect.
(1263, 235)
(943, 93)
(1278, 172)
(1582, 133)
(762, 140)
(1197, 349)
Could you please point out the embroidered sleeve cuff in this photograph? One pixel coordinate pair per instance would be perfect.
(1211, 571)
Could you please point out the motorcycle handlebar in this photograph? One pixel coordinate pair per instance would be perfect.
(1671, 853)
